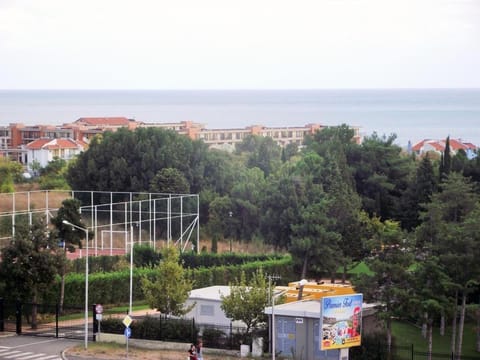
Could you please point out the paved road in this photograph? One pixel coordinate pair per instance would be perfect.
(33, 348)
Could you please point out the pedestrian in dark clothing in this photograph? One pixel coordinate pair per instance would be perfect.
(192, 353)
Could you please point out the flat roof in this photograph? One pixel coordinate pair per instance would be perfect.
(307, 309)
(210, 293)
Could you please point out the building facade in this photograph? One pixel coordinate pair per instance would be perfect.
(15, 137)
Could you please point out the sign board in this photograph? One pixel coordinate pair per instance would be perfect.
(127, 321)
(99, 309)
(98, 317)
(128, 332)
(299, 320)
(341, 321)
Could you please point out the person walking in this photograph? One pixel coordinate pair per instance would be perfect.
(199, 349)
(192, 353)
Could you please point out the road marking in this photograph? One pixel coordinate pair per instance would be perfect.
(7, 353)
(17, 355)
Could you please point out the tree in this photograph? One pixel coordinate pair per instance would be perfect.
(450, 231)
(170, 180)
(313, 239)
(417, 194)
(381, 174)
(247, 195)
(446, 163)
(69, 236)
(30, 264)
(247, 301)
(430, 288)
(284, 195)
(263, 152)
(10, 171)
(170, 289)
(390, 259)
(52, 176)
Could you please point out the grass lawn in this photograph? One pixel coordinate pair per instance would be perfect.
(406, 334)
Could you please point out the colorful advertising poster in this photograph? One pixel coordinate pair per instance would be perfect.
(341, 321)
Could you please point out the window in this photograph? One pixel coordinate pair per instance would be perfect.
(206, 310)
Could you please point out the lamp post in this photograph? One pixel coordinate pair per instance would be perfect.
(86, 277)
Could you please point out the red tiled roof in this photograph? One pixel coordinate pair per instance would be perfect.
(418, 146)
(38, 144)
(51, 144)
(439, 145)
(457, 145)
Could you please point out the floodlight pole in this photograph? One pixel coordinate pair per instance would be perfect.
(86, 277)
(131, 270)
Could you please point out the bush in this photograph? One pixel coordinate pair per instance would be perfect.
(374, 347)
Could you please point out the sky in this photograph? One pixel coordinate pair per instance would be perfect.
(242, 44)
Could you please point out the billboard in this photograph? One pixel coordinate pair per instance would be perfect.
(340, 321)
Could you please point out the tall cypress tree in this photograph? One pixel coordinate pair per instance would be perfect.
(446, 164)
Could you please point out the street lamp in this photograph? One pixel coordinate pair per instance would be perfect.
(86, 277)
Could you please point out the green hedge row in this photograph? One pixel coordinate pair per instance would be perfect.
(114, 287)
(145, 256)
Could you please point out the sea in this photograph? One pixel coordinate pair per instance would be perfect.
(411, 114)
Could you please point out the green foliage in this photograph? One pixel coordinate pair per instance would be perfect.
(30, 262)
(168, 292)
(10, 171)
(145, 256)
(263, 153)
(247, 301)
(381, 174)
(52, 176)
(154, 328)
(169, 180)
(114, 287)
(69, 211)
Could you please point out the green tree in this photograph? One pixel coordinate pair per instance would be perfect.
(263, 152)
(381, 174)
(30, 264)
(247, 301)
(449, 231)
(390, 258)
(247, 195)
(68, 235)
(446, 163)
(429, 300)
(9, 172)
(418, 193)
(169, 180)
(52, 176)
(313, 239)
(170, 289)
(284, 195)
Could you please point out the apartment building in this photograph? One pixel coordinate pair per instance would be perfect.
(15, 138)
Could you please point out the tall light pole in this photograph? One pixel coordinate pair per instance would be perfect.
(86, 277)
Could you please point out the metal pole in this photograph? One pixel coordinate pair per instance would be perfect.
(86, 293)
(131, 270)
(273, 328)
(86, 277)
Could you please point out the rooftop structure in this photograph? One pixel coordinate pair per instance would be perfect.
(15, 137)
(438, 146)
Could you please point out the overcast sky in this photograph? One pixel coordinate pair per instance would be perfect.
(242, 44)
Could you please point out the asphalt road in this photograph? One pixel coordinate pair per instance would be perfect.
(33, 348)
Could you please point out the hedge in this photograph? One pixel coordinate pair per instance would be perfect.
(114, 287)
